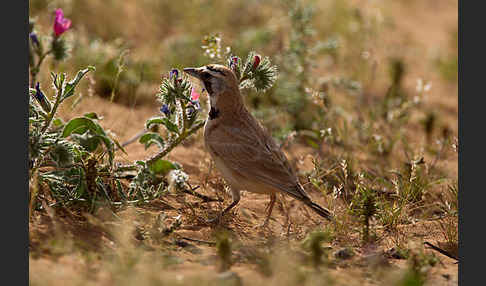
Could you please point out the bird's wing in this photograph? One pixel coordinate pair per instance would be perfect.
(248, 150)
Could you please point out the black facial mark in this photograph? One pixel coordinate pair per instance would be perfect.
(213, 113)
(205, 76)
(207, 85)
(214, 70)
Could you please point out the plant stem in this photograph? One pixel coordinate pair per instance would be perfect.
(35, 70)
(175, 142)
(53, 111)
(161, 154)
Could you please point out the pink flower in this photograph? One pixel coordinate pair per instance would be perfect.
(61, 24)
(194, 95)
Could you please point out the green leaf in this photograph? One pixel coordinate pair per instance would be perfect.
(161, 120)
(92, 115)
(87, 140)
(62, 155)
(110, 146)
(162, 167)
(153, 120)
(69, 89)
(120, 146)
(140, 163)
(60, 80)
(151, 138)
(119, 189)
(79, 126)
(58, 122)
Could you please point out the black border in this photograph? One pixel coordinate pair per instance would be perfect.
(471, 144)
(14, 103)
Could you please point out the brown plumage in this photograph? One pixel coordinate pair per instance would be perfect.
(243, 151)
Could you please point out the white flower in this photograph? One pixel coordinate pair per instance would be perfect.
(422, 86)
(177, 178)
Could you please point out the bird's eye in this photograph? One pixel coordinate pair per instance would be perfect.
(205, 76)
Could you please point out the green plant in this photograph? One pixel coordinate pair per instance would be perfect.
(414, 181)
(295, 62)
(449, 199)
(419, 265)
(223, 247)
(312, 243)
(74, 159)
(364, 206)
(390, 213)
(449, 228)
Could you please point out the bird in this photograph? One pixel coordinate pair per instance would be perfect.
(242, 149)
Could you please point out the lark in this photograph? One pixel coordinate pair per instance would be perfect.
(241, 148)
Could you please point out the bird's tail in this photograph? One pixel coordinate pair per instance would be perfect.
(299, 193)
(325, 213)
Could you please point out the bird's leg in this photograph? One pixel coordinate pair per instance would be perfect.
(235, 194)
(228, 208)
(269, 207)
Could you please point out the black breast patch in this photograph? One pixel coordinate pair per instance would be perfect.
(213, 113)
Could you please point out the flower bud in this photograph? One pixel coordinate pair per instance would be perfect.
(233, 62)
(165, 110)
(42, 99)
(60, 49)
(34, 39)
(173, 74)
(256, 62)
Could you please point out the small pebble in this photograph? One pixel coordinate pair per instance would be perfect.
(344, 253)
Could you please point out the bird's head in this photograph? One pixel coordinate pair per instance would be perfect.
(218, 80)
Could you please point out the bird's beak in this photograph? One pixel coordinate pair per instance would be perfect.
(195, 72)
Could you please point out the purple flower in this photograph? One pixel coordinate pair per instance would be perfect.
(61, 24)
(234, 62)
(34, 39)
(39, 95)
(165, 110)
(41, 98)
